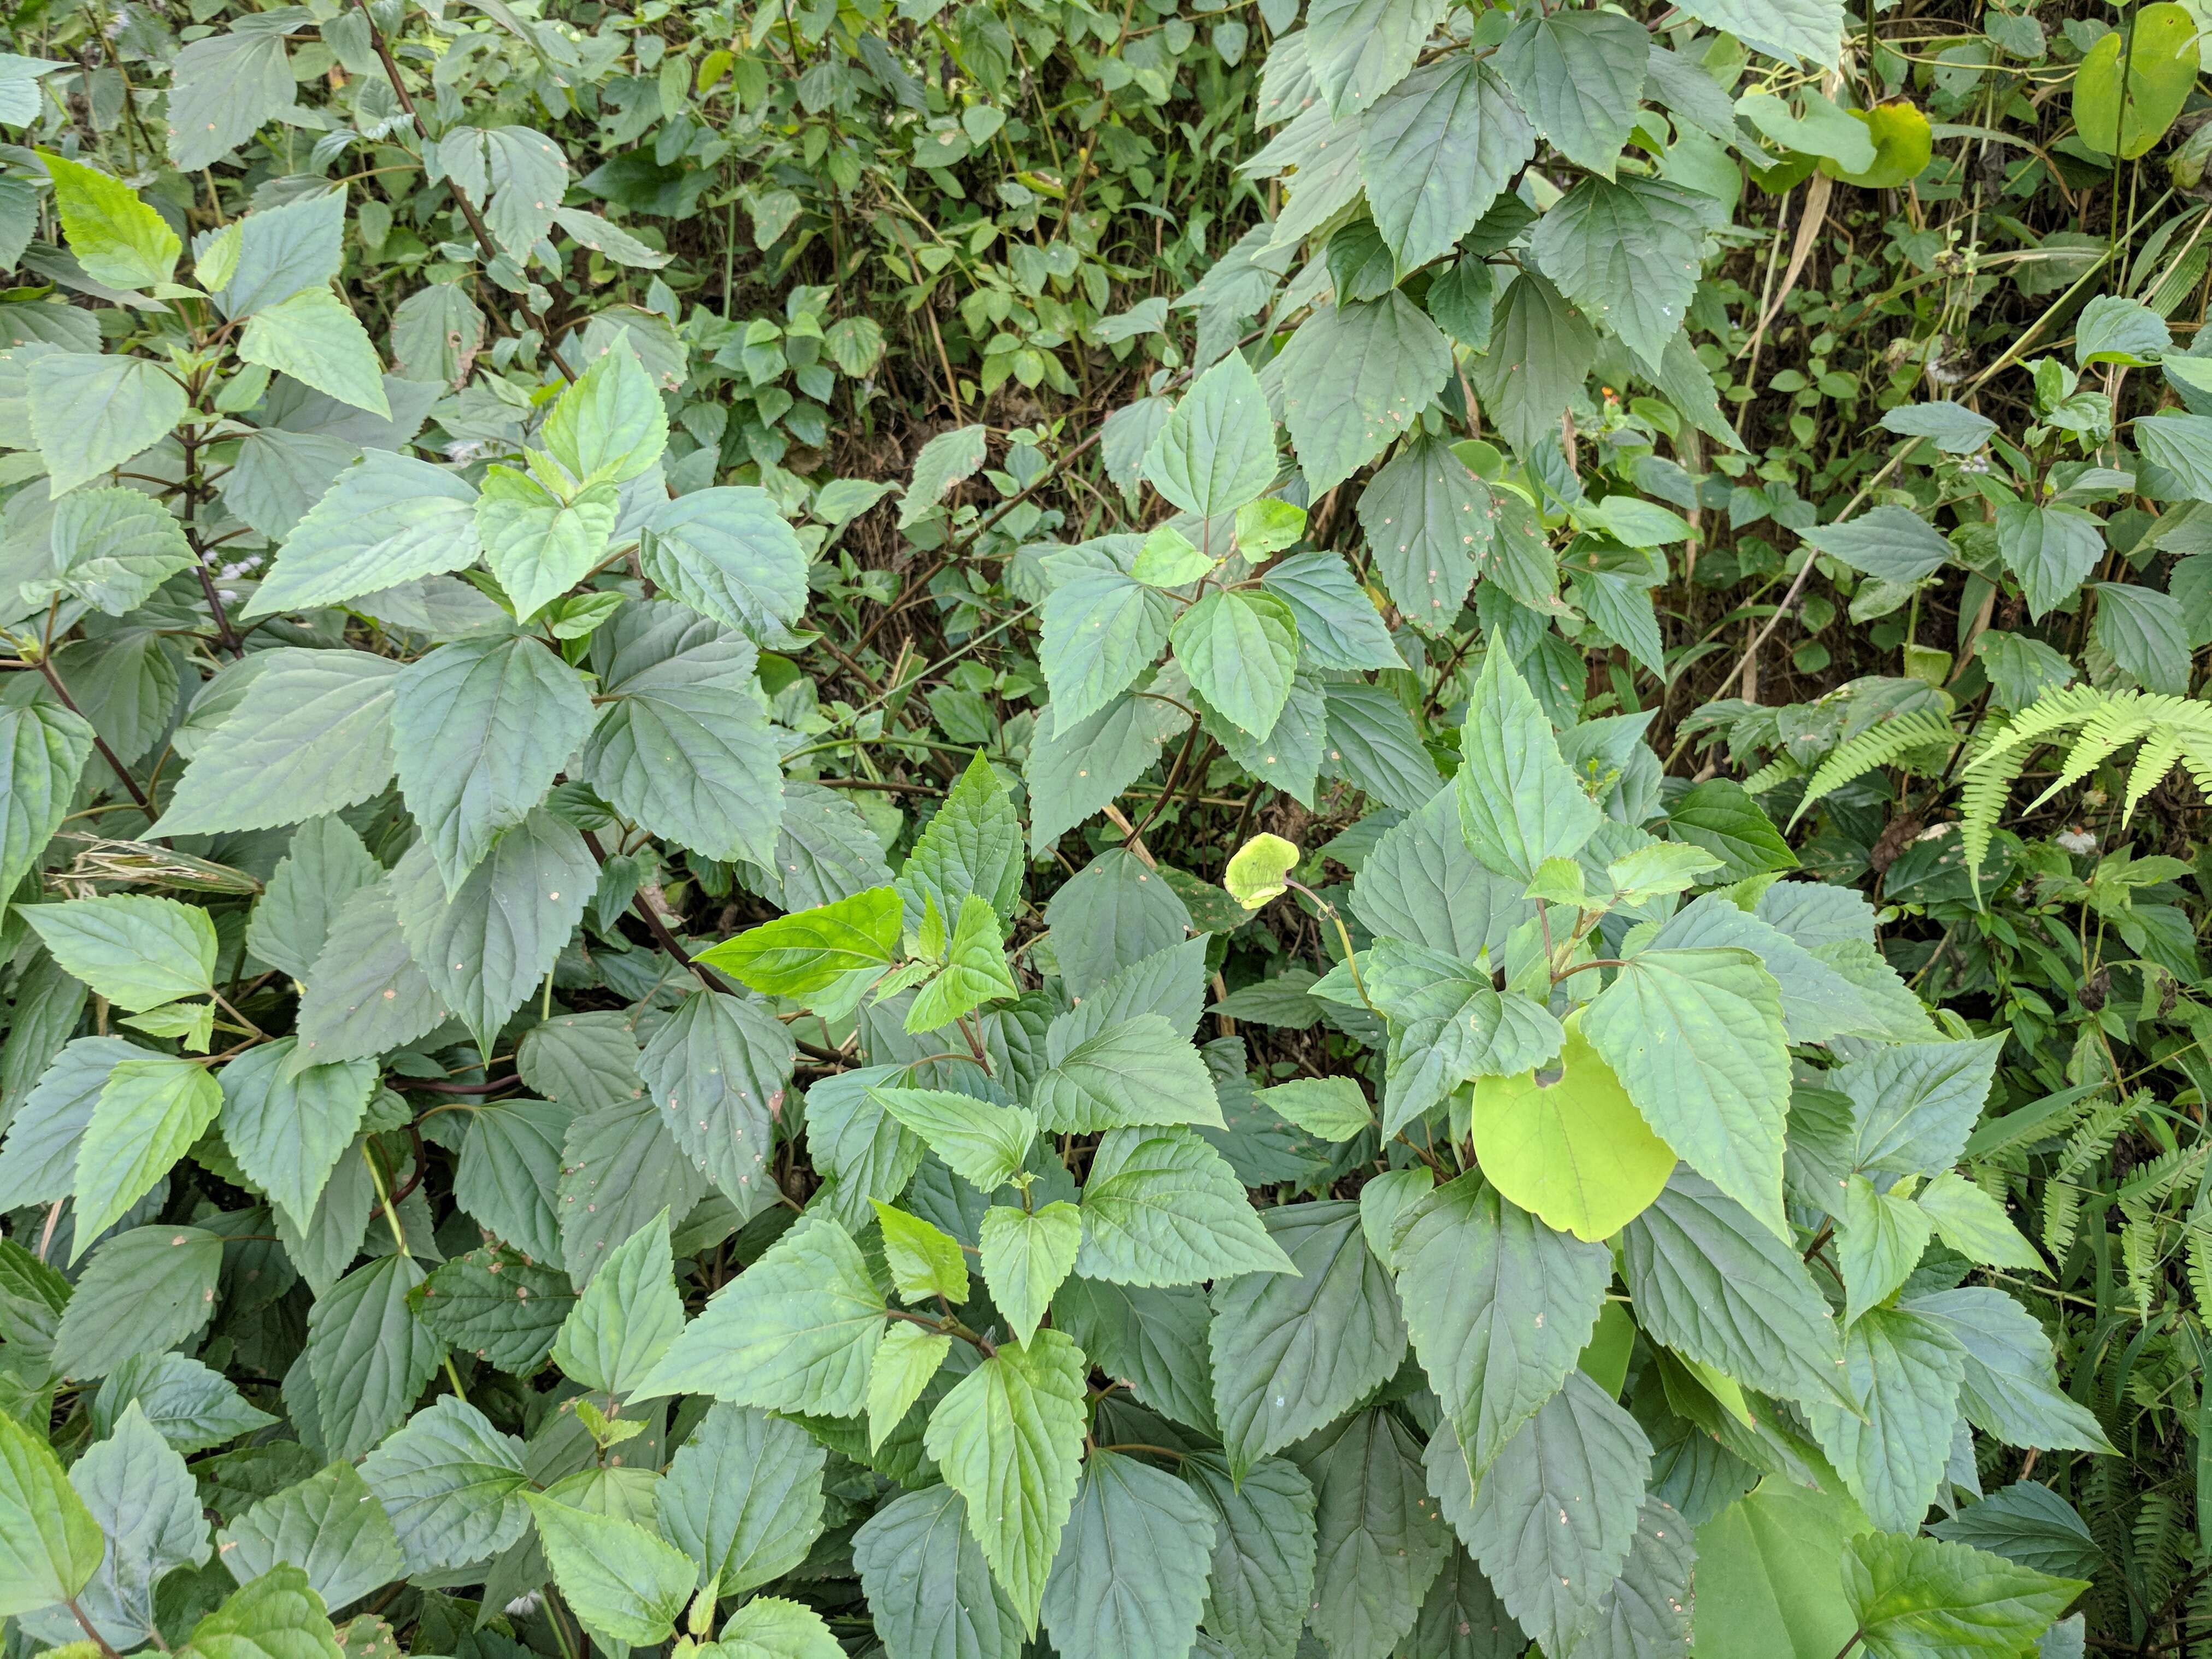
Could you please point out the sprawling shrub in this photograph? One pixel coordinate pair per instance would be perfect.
(963, 831)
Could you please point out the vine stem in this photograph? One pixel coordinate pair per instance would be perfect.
(121, 771)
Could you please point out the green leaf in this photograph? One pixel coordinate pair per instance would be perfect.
(1767, 1578)
(2143, 631)
(1627, 253)
(972, 845)
(1498, 1305)
(2051, 549)
(1260, 1584)
(1914, 1103)
(771, 1627)
(223, 86)
(794, 1332)
(682, 744)
(1436, 151)
(487, 943)
(1292, 1351)
(1696, 1038)
(330, 1527)
(43, 750)
(388, 520)
(1519, 803)
(135, 950)
(1338, 624)
(50, 1545)
(1647, 1612)
(1809, 29)
(586, 1061)
(1380, 1542)
(1429, 523)
(1975, 1225)
(1446, 1025)
(730, 556)
(538, 545)
(281, 250)
(193, 1407)
(1720, 817)
(1904, 1369)
(1153, 1340)
(628, 1317)
(2010, 1389)
(1581, 1454)
(1009, 1437)
(1711, 1283)
(1921, 1598)
(1133, 1072)
(742, 1498)
(1892, 543)
(719, 1068)
(368, 1356)
(2181, 445)
(945, 461)
(982, 1144)
(928, 1584)
(1355, 376)
(1952, 427)
(809, 951)
(365, 994)
(112, 548)
(317, 340)
(907, 1361)
(451, 1484)
(1116, 911)
(481, 727)
(144, 1290)
(623, 1583)
(1580, 76)
(609, 426)
(1131, 1575)
(1541, 351)
(974, 971)
(1332, 1107)
(91, 414)
(1163, 1207)
(1217, 451)
(2031, 1526)
(117, 238)
(312, 735)
(1025, 1256)
(1879, 1241)
(619, 1168)
(498, 1304)
(1359, 49)
(2132, 84)
(149, 1114)
(287, 1130)
(1240, 648)
(924, 1261)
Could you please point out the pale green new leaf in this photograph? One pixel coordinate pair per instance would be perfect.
(389, 520)
(149, 1114)
(1009, 1437)
(624, 1583)
(627, 1317)
(50, 1545)
(1519, 803)
(136, 950)
(1025, 1256)
(1921, 1598)
(314, 338)
(1216, 450)
(1163, 1207)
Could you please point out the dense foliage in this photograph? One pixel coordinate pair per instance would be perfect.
(1003, 828)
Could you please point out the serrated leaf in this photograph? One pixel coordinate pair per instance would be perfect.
(1131, 1575)
(149, 1113)
(1904, 1369)
(1921, 1598)
(1260, 1583)
(1009, 1439)
(1355, 377)
(730, 556)
(50, 1544)
(1519, 803)
(810, 950)
(1293, 1352)
(330, 1527)
(1381, 1543)
(313, 336)
(451, 1484)
(1498, 1305)
(743, 1497)
(1163, 1207)
(387, 520)
(91, 414)
(1436, 151)
(623, 1583)
(795, 1331)
(137, 951)
(1025, 1256)
(287, 1130)
(368, 1356)
(144, 1290)
(1216, 450)
(928, 1584)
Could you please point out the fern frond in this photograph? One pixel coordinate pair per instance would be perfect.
(1923, 728)
(2170, 729)
(1779, 770)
